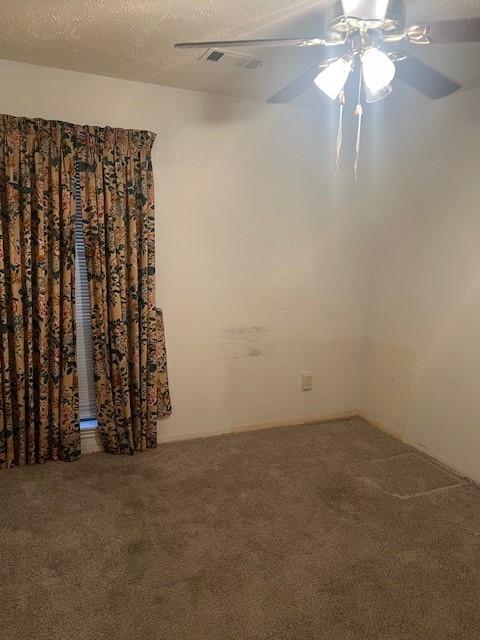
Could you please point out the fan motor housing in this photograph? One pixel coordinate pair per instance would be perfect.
(365, 17)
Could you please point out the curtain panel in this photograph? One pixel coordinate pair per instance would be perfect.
(39, 164)
(116, 186)
(38, 380)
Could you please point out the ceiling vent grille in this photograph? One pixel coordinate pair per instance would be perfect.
(231, 58)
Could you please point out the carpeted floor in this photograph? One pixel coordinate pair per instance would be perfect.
(327, 532)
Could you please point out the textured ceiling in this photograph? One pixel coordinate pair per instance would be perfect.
(133, 39)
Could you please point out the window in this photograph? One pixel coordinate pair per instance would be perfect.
(86, 384)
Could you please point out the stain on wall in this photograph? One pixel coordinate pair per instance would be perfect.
(243, 342)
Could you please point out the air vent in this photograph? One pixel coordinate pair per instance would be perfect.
(215, 56)
(232, 58)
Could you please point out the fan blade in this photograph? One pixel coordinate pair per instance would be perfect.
(300, 84)
(271, 42)
(297, 87)
(451, 31)
(424, 78)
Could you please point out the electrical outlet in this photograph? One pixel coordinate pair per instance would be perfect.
(307, 381)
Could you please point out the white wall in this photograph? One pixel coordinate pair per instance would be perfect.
(262, 256)
(267, 266)
(423, 375)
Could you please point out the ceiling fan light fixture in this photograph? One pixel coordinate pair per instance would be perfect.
(332, 78)
(378, 70)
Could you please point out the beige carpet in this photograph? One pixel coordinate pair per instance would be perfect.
(326, 532)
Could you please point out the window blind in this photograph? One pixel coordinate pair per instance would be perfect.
(86, 383)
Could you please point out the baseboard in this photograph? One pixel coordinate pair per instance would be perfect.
(297, 422)
(420, 447)
(91, 442)
(382, 427)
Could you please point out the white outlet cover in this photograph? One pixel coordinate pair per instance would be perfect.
(307, 381)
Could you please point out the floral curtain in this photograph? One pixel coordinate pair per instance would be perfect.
(38, 380)
(116, 185)
(39, 164)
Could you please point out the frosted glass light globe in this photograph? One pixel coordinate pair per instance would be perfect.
(332, 79)
(378, 70)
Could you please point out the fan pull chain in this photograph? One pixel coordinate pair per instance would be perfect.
(359, 113)
(341, 101)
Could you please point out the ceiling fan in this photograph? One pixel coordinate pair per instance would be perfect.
(360, 35)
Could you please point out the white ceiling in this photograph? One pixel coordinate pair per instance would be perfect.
(133, 39)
